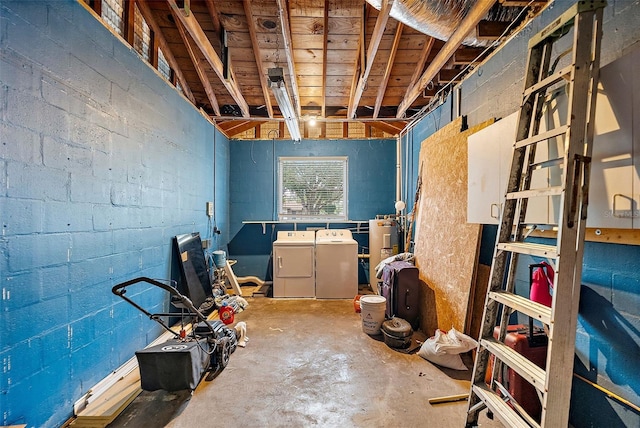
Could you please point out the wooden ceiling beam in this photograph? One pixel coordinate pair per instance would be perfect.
(164, 46)
(236, 127)
(469, 22)
(362, 48)
(387, 72)
(374, 43)
(360, 59)
(197, 34)
(197, 64)
(248, 11)
(283, 13)
(393, 128)
(213, 14)
(424, 55)
(325, 50)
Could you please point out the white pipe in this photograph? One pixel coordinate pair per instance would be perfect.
(398, 170)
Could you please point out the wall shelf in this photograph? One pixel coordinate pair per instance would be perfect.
(295, 223)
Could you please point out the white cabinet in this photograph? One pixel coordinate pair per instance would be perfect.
(489, 159)
(490, 152)
(611, 194)
(614, 193)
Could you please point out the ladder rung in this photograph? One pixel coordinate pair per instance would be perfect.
(541, 137)
(518, 362)
(534, 193)
(540, 250)
(523, 305)
(547, 163)
(502, 410)
(548, 81)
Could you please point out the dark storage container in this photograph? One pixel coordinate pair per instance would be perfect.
(401, 288)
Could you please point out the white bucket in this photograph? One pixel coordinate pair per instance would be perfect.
(372, 309)
(219, 258)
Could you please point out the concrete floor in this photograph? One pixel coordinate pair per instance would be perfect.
(308, 363)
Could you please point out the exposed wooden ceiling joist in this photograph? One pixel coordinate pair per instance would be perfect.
(378, 32)
(325, 50)
(196, 58)
(387, 72)
(392, 128)
(236, 127)
(475, 15)
(166, 51)
(213, 14)
(424, 55)
(203, 43)
(342, 59)
(256, 53)
(283, 13)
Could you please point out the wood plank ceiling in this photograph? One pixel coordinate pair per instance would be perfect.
(343, 60)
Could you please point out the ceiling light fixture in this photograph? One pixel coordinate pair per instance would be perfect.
(279, 89)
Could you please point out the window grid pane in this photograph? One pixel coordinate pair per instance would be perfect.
(312, 188)
(113, 14)
(141, 35)
(163, 66)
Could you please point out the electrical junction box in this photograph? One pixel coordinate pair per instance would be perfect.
(209, 209)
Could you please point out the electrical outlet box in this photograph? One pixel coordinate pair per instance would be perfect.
(206, 243)
(209, 209)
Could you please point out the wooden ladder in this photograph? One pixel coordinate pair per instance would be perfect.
(583, 21)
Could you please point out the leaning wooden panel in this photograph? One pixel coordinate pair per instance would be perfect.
(446, 245)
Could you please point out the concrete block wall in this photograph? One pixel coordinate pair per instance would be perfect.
(102, 162)
(608, 336)
(253, 183)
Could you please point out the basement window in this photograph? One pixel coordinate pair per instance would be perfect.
(312, 188)
(141, 35)
(113, 14)
(163, 66)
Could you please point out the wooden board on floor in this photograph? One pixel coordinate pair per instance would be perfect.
(107, 407)
(446, 245)
(109, 404)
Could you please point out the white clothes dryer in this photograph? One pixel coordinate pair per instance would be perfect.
(336, 264)
(294, 264)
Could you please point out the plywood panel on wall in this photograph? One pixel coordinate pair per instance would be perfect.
(446, 245)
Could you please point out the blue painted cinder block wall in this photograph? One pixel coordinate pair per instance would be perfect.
(101, 164)
(253, 178)
(608, 336)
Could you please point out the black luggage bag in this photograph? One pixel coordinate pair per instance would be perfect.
(401, 288)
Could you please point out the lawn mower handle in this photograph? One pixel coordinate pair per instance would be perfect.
(121, 289)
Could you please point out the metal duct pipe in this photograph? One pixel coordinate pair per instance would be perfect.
(439, 19)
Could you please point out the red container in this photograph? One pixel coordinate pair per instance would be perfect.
(226, 314)
(356, 303)
(521, 390)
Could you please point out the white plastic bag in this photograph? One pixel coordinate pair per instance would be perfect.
(444, 348)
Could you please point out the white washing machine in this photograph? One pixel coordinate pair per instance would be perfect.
(294, 264)
(336, 264)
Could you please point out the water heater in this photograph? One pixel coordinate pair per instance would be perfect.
(383, 243)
